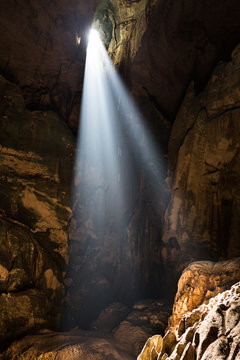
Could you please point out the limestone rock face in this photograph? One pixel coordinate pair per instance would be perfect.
(209, 332)
(36, 153)
(43, 50)
(163, 45)
(201, 221)
(200, 282)
(36, 157)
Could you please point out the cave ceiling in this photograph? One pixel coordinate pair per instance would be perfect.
(159, 47)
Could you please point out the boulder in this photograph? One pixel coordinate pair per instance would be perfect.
(200, 282)
(213, 334)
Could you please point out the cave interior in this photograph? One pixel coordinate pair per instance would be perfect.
(119, 215)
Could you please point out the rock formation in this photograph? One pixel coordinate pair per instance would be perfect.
(110, 338)
(201, 219)
(43, 51)
(207, 332)
(59, 268)
(36, 155)
(200, 282)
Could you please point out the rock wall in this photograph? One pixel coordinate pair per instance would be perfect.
(201, 221)
(200, 282)
(206, 332)
(164, 45)
(43, 51)
(159, 47)
(36, 156)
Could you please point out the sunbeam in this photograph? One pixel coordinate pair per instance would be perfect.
(117, 179)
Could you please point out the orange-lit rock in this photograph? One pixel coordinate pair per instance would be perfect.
(201, 221)
(200, 282)
(36, 156)
(211, 335)
(124, 342)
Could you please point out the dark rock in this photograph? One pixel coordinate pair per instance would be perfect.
(204, 169)
(39, 51)
(36, 154)
(110, 317)
(67, 346)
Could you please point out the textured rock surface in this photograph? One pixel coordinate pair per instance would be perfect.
(209, 332)
(169, 43)
(200, 282)
(39, 51)
(36, 153)
(36, 157)
(72, 346)
(159, 46)
(124, 342)
(30, 283)
(147, 318)
(202, 217)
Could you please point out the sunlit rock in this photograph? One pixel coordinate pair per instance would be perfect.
(200, 282)
(208, 337)
(152, 348)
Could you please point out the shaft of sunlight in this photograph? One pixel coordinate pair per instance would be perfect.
(112, 138)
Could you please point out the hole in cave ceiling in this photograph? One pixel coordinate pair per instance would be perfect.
(104, 21)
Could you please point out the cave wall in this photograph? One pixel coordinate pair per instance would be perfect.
(42, 68)
(201, 221)
(160, 49)
(165, 45)
(36, 156)
(40, 52)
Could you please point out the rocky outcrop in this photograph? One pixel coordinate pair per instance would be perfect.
(36, 156)
(31, 284)
(201, 221)
(200, 282)
(146, 318)
(124, 341)
(209, 332)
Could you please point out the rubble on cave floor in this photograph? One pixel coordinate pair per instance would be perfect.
(118, 333)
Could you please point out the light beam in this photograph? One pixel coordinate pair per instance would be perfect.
(115, 159)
